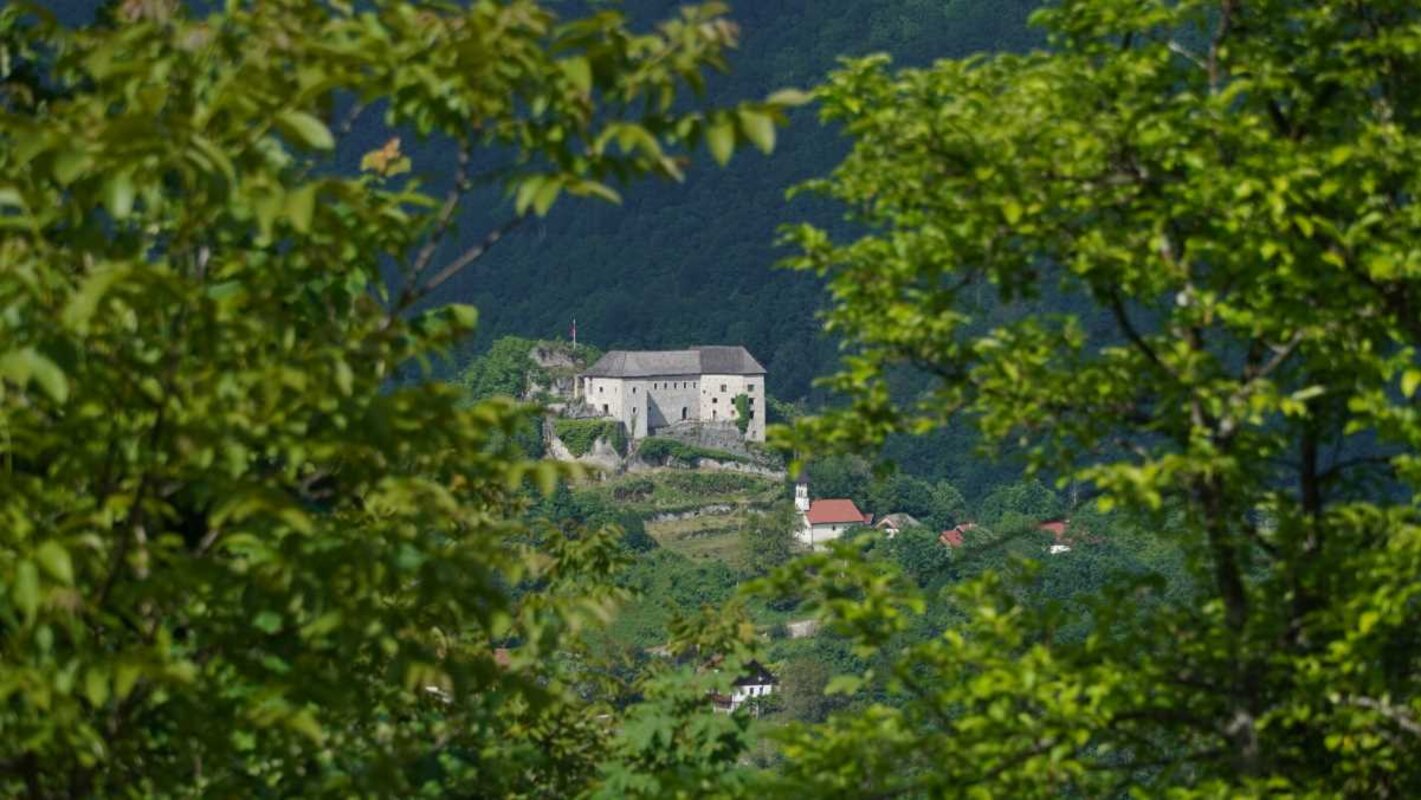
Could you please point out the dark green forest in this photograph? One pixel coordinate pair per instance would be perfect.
(682, 264)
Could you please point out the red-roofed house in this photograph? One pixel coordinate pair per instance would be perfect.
(954, 536)
(1063, 536)
(826, 520)
(1055, 527)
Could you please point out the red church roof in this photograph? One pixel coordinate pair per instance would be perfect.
(834, 512)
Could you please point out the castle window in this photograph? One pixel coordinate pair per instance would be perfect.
(683, 412)
(715, 399)
(606, 409)
(750, 388)
(722, 387)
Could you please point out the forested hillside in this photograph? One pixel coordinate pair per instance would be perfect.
(680, 264)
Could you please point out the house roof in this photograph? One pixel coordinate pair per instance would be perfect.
(756, 675)
(1055, 527)
(717, 360)
(829, 512)
(953, 537)
(898, 521)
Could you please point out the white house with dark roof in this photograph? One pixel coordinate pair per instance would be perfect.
(651, 389)
(757, 682)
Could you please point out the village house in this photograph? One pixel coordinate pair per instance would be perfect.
(956, 536)
(755, 683)
(821, 521)
(892, 524)
(651, 389)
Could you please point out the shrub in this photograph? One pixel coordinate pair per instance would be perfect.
(578, 435)
(635, 489)
(660, 450)
(742, 412)
(713, 483)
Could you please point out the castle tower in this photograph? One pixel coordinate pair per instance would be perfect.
(801, 495)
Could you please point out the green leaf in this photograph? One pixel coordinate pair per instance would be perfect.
(546, 475)
(759, 128)
(25, 589)
(83, 303)
(118, 195)
(720, 139)
(55, 560)
(579, 71)
(596, 189)
(546, 196)
(10, 197)
(126, 674)
(29, 365)
(1410, 380)
(843, 684)
(464, 315)
(266, 207)
(267, 622)
(790, 98)
(306, 129)
(527, 190)
(345, 378)
(96, 686)
(1011, 209)
(70, 164)
(300, 207)
(304, 723)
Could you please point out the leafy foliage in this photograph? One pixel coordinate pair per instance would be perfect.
(742, 412)
(768, 541)
(509, 368)
(656, 450)
(708, 484)
(237, 560)
(1229, 189)
(579, 435)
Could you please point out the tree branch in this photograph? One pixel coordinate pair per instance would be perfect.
(1399, 714)
(1122, 319)
(446, 213)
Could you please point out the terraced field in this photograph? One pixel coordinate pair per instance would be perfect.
(712, 536)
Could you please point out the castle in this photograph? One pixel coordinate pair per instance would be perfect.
(648, 390)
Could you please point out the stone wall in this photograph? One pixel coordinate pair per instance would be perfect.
(669, 398)
(714, 435)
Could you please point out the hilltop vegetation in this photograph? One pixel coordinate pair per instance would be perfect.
(683, 264)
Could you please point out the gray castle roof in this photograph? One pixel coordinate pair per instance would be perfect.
(695, 361)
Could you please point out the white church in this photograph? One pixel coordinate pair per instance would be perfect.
(651, 389)
(826, 519)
